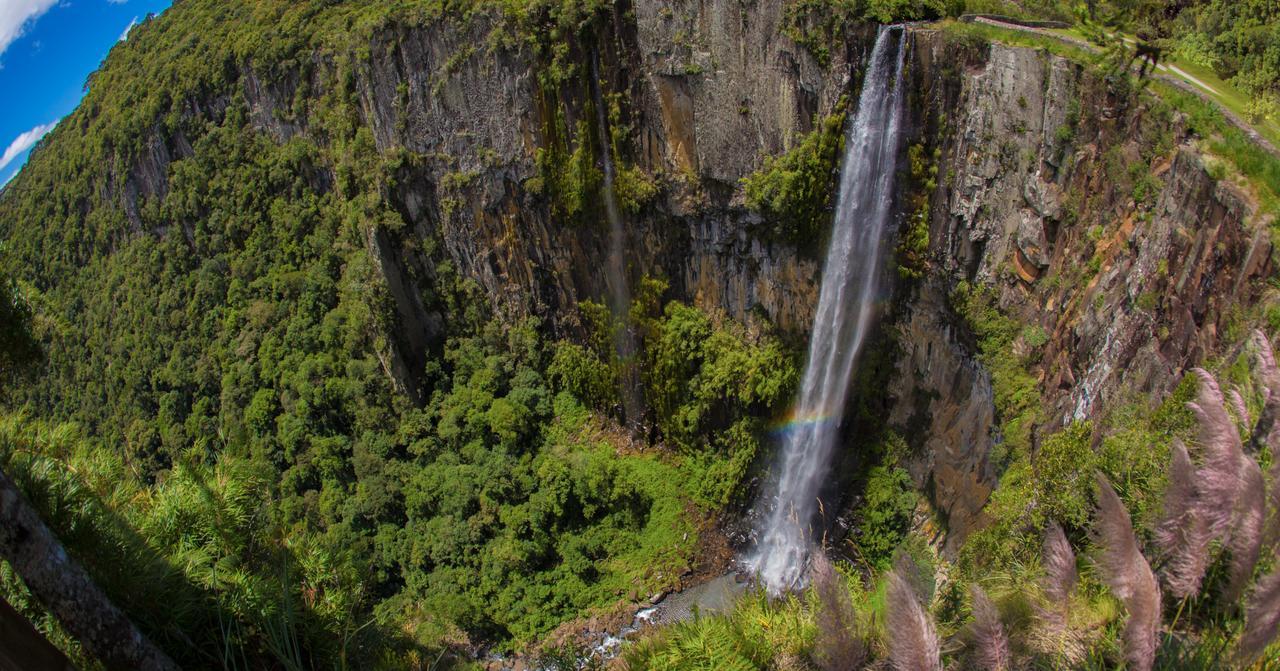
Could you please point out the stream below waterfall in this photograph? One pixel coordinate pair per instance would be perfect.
(716, 595)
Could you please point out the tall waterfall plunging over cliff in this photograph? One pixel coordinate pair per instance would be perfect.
(850, 284)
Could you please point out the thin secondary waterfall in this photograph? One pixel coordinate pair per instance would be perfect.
(850, 284)
(619, 292)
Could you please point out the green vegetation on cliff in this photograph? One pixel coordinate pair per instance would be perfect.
(1057, 605)
(1000, 339)
(822, 26)
(795, 190)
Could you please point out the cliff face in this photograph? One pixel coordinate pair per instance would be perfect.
(706, 92)
(1094, 220)
(1130, 273)
(1104, 229)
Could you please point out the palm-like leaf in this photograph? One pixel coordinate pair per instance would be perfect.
(1271, 534)
(1059, 566)
(1219, 477)
(838, 645)
(1246, 533)
(1269, 377)
(1052, 634)
(1262, 618)
(1181, 534)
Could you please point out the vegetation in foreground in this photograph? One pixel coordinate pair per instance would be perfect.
(1185, 581)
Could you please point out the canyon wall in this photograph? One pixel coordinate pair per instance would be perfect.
(1091, 215)
(706, 91)
(1129, 274)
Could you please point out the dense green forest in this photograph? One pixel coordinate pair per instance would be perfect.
(212, 427)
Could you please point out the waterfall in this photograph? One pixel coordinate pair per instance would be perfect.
(850, 286)
(616, 268)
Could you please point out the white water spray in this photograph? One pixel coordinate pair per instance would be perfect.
(850, 284)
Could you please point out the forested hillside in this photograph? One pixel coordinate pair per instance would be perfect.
(1238, 40)
(305, 397)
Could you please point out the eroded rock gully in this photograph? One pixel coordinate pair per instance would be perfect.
(1035, 198)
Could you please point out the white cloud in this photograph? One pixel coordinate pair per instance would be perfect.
(125, 35)
(15, 15)
(24, 142)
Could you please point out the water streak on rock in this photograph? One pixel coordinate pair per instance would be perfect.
(616, 268)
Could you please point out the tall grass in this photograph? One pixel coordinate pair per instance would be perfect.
(758, 633)
(1127, 572)
(912, 636)
(1251, 160)
(839, 644)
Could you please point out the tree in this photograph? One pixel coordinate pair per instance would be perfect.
(37, 555)
(18, 347)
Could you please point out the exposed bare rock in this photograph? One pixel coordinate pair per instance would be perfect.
(1093, 218)
(944, 410)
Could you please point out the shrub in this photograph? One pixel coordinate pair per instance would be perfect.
(1016, 392)
(795, 190)
(889, 500)
(583, 373)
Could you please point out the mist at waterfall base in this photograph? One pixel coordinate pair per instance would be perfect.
(850, 286)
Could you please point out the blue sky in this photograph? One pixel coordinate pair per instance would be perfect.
(47, 50)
